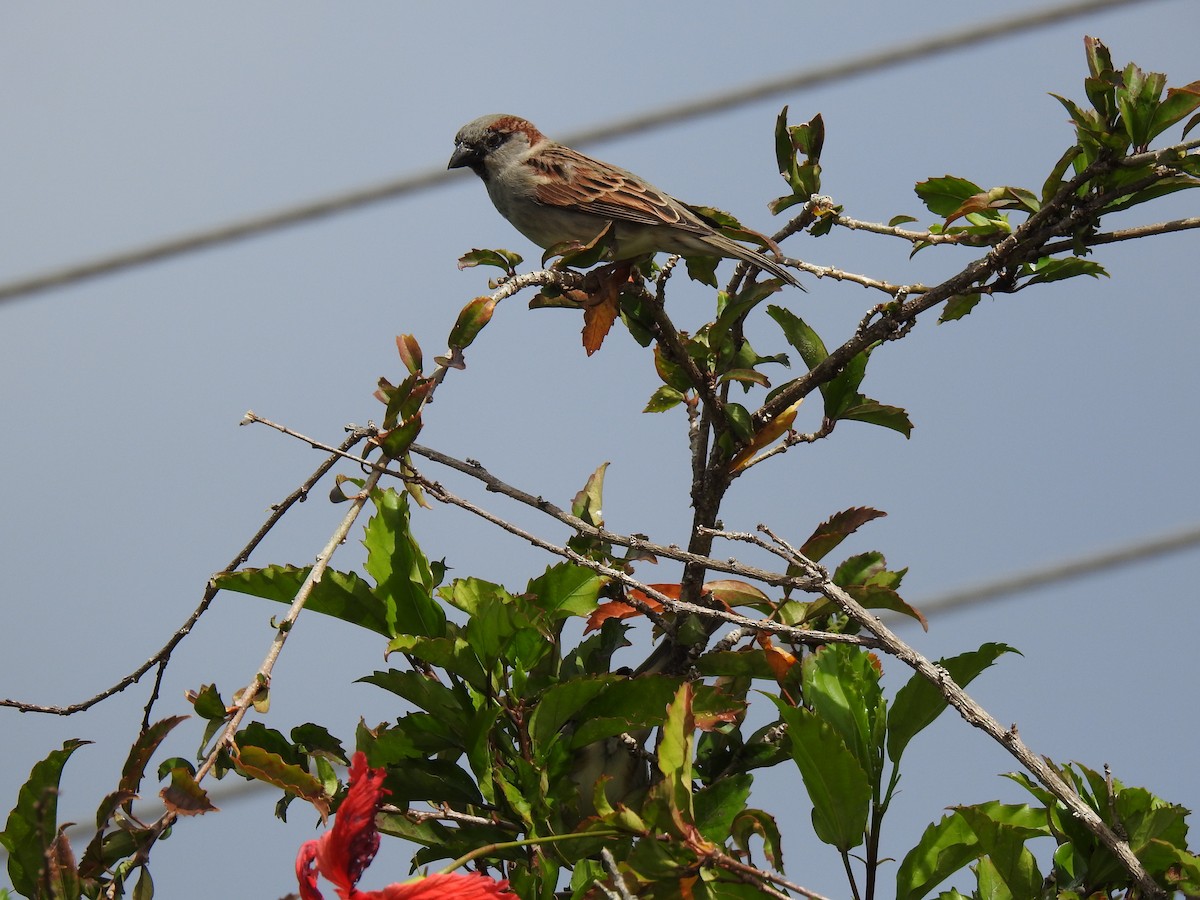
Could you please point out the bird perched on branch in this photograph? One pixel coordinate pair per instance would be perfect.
(553, 194)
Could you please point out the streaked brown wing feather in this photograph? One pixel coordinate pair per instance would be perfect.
(590, 186)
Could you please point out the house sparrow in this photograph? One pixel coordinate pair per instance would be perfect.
(551, 194)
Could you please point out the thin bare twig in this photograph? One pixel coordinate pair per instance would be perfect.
(972, 713)
(260, 684)
(163, 655)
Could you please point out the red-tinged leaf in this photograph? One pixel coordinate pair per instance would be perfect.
(272, 768)
(471, 320)
(752, 822)
(588, 504)
(396, 441)
(141, 751)
(619, 609)
(410, 353)
(501, 259)
(745, 376)
(62, 874)
(713, 708)
(1191, 123)
(836, 529)
(779, 661)
(942, 196)
(735, 593)
(598, 320)
(765, 436)
(184, 796)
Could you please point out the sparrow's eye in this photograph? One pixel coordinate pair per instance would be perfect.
(493, 140)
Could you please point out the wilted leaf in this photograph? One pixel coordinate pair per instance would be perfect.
(501, 259)
(184, 796)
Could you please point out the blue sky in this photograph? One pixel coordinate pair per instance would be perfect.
(1048, 424)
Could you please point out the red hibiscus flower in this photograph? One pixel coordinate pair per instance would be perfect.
(343, 852)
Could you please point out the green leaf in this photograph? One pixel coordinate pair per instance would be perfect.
(627, 704)
(663, 399)
(433, 780)
(756, 822)
(501, 259)
(453, 654)
(1011, 863)
(959, 306)
(836, 529)
(403, 580)
(272, 768)
(141, 751)
(342, 595)
(942, 196)
(841, 685)
(944, 848)
(424, 693)
(563, 701)
(31, 828)
(799, 335)
(836, 783)
(588, 503)
(1049, 269)
(471, 320)
(875, 413)
(566, 590)
(720, 804)
(702, 269)
(739, 420)
(919, 703)
(675, 744)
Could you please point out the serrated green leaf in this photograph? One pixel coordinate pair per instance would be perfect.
(403, 580)
(959, 306)
(919, 703)
(944, 848)
(565, 590)
(836, 529)
(342, 595)
(836, 783)
(841, 685)
(942, 196)
(1049, 269)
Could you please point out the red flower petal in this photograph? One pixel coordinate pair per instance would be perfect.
(472, 886)
(342, 853)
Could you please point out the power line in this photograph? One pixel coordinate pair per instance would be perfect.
(432, 177)
(1066, 570)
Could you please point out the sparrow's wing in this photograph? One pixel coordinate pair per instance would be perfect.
(573, 181)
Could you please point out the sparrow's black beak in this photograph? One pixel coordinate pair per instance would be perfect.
(465, 155)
